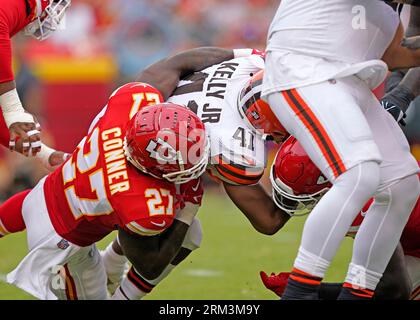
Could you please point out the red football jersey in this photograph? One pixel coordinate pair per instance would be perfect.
(14, 16)
(410, 238)
(4, 132)
(97, 189)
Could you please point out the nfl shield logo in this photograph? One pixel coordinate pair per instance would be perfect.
(63, 244)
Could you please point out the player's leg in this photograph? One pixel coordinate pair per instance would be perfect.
(34, 272)
(135, 286)
(395, 283)
(52, 267)
(327, 120)
(116, 265)
(81, 276)
(11, 219)
(397, 195)
(413, 267)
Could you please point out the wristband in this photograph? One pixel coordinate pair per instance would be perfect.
(12, 108)
(241, 53)
(188, 213)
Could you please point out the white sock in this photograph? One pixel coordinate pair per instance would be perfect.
(134, 286)
(115, 264)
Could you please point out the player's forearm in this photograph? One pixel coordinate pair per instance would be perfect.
(401, 54)
(402, 58)
(165, 75)
(257, 205)
(411, 81)
(151, 255)
(201, 58)
(7, 86)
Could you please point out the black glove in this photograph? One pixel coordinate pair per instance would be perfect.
(394, 110)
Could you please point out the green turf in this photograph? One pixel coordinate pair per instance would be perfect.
(225, 267)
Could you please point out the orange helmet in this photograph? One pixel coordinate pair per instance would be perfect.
(256, 112)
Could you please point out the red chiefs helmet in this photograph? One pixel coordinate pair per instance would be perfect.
(47, 17)
(256, 112)
(297, 184)
(167, 141)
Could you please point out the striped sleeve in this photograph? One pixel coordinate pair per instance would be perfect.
(236, 174)
(138, 229)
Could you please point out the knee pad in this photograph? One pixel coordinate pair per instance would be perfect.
(194, 236)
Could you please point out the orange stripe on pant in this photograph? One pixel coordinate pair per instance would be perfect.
(303, 277)
(361, 292)
(318, 132)
(71, 291)
(415, 293)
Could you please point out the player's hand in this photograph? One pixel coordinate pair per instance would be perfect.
(276, 283)
(29, 135)
(412, 43)
(394, 110)
(56, 159)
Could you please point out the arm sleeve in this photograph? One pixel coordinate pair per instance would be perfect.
(236, 174)
(137, 228)
(6, 72)
(4, 132)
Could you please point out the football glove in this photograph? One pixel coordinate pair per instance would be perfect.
(275, 282)
(394, 110)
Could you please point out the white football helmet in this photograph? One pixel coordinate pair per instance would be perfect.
(48, 16)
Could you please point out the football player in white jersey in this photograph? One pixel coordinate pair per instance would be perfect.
(322, 62)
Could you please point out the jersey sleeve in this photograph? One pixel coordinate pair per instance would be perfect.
(144, 227)
(6, 72)
(131, 97)
(148, 224)
(234, 173)
(4, 132)
(149, 208)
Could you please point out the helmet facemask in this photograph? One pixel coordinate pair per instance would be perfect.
(183, 176)
(48, 20)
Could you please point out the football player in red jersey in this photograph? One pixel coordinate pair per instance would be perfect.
(297, 186)
(123, 175)
(39, 18)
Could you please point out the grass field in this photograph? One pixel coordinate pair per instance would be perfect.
(225, 267)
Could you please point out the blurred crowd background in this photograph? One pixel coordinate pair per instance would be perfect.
(66, 80)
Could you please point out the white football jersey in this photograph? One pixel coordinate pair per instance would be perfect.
(237, 152)
(314, 41)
